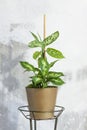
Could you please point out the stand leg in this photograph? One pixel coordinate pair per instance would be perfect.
(31, 124)
(34, 124)
(55, 125)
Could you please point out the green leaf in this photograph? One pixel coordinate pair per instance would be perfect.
(39, 37)
(36, 54)
(34, 43)
(50, 39)
(55, 53)
(36, 80)
(27, 66)
(43, 65)
(53, 74)
(52, 63)
(38, 72)
(36, 38)
(57, 81)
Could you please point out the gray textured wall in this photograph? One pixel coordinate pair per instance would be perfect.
(17, 18)
(11, 90)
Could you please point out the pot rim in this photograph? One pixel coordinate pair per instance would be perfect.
(51, 87)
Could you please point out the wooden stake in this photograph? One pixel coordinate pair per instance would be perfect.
(44, 33)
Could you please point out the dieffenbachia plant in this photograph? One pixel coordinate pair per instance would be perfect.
(42, 74)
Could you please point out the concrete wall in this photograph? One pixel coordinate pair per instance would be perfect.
(17, 19)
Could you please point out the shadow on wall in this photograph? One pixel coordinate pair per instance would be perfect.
(9, 58)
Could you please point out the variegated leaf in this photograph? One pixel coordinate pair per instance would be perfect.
(36, 54)
(57, 81)
(34, 43)
(50, 39)
(55, 53)
(27, 66)
(53, 74)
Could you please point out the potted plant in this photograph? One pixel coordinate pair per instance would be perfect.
(43, 86)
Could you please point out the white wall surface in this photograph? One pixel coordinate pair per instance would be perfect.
(17, 19)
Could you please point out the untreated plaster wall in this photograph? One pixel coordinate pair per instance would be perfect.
(17, 19)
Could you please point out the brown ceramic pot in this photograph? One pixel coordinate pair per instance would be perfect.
(42, 100)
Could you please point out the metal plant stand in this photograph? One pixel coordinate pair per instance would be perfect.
(26, 113)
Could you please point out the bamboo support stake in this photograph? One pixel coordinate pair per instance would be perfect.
(44, 33)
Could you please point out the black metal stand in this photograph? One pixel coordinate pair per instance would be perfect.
(26, 113)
